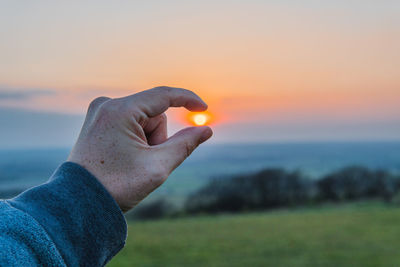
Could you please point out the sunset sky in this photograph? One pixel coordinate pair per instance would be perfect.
(271, 71)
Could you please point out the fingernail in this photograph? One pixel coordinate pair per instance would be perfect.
(207, 133)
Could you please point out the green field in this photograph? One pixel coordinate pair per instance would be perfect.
(363, 234)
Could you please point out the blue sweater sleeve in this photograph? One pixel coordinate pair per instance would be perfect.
(70, 220)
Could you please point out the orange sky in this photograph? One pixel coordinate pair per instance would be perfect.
(254, 62)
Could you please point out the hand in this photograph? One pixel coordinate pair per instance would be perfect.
(124, 143)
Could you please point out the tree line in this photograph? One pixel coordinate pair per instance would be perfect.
(279, 188)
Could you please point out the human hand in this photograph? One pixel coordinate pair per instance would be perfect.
(124, 143)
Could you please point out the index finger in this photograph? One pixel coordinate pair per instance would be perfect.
(155, 101)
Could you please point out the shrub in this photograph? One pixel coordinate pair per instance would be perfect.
(356, 183)
(269, 188)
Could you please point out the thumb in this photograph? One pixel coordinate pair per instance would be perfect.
(179, 146)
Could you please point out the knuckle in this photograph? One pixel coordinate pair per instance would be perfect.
(97, 102)
(188, 151)
(163, 87)
(107, 106)
(188, 148)
(107, 109)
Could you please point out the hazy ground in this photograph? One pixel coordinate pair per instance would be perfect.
(361, 234)
(348, 235)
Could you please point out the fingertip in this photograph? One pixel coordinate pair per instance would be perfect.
(204, 104)
(197, 106)
(206, 134)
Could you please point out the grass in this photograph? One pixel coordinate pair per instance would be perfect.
(363, 234)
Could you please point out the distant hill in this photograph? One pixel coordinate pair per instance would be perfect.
(20, 169)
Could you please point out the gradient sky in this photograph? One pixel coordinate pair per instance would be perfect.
(271, 71)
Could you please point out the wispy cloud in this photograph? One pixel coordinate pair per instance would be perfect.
(23, 94)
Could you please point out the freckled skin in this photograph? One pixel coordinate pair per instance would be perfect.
(124, 143)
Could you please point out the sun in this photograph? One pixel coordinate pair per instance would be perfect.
(199, 118)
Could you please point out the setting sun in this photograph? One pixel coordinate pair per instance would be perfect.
(199, 118)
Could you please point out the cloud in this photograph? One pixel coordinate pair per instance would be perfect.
(23, 94)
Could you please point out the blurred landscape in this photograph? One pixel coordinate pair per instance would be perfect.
(292, 204)
(356, 234)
